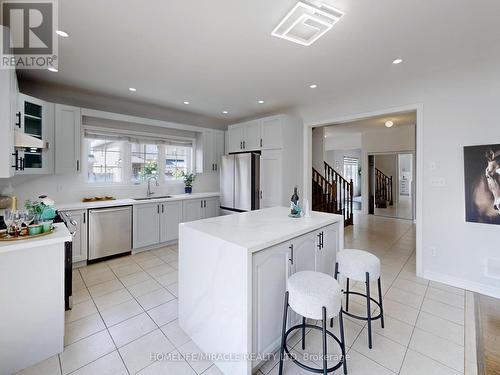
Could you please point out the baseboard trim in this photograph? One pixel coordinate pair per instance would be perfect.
(463, 284)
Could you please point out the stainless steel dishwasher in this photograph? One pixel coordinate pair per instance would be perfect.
(110, 231)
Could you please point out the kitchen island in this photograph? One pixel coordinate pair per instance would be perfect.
(32, 299)
(232, 279)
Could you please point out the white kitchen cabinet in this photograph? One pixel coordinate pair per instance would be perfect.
(271, 169)
(236, 134)
(197, 209)
(36, 120)
(68, 138)
(192, 210)
(170, 218)
(270, 271)
(213, 149)
(8, 110)
(272, 132)
(80, 249)
(253, 137)
(146, 227)
(326, 252)
(210, 207)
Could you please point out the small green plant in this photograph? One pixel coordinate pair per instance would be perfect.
(187, 177)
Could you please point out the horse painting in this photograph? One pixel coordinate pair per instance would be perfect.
(482, 184)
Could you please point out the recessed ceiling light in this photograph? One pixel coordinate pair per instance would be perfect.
(260, 102)
(52, 69)
(62, 33)
(313, 86)
(306, 23)
(186, 102)
(397, 61)
(132, 89)
(389, 124)
(225, 112)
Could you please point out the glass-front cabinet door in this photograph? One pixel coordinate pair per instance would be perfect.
(36, 121)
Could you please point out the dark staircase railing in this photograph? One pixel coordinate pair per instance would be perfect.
(383, 189)
(332, 193)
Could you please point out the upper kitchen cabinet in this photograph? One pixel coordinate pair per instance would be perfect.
(261, 134)
(33, 136)
(245, 136)
(8, 110)
(68, 139)
(272, 132)
(213, 149)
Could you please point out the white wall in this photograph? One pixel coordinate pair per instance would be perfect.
(318, 153)
(459, 107)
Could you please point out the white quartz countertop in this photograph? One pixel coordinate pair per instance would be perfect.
(129, 201)
(61, 234)
(260, 229)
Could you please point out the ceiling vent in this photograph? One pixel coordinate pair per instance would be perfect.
(306, 23)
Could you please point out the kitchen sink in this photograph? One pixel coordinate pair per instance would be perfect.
(152, 197)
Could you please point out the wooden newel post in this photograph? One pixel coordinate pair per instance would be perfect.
(352, 196)
(391, 192)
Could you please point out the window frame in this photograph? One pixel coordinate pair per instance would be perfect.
(127, 176)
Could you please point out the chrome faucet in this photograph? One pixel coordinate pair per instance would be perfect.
(149, 192)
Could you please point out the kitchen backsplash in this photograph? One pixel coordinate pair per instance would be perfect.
(68, 189)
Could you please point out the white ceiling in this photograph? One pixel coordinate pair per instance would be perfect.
(220, 54)
(371, 124)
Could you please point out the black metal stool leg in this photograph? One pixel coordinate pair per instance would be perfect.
(368, 310)
(342, 338)
(303, 333)
(325, 352)
(282, 349)
(347, 297)
(335, 276)
(380, 301)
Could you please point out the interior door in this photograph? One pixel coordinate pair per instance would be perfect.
(243, 181)
(270, 178)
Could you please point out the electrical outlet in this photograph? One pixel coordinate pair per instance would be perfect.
(432, 165)
(433, 251)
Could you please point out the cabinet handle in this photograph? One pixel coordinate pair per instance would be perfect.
(291, 254)
(322, 238)
(261, 142)
(162, 208)
(158, 209)
(78, 165)
(319, 241)
(84, 217)
(18, 123)
(201, 202)
(261, 194)
(16, 160)
(205, 204)
(244, 145)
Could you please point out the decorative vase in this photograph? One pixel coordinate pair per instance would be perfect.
(188, 189)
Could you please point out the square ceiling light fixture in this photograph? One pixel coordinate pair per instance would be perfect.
(306, 23)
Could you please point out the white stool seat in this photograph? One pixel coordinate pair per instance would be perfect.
(354, 264)
(310, 291)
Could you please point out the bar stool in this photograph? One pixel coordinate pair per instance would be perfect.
(313, 295)
(360, 265)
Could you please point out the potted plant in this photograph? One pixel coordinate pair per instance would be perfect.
(188, 180)
(43, 209)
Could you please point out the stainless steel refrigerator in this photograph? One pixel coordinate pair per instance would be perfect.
(240, 182)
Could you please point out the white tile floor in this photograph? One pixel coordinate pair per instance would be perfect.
(126, 308)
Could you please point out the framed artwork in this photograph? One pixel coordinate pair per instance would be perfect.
(482, 184)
